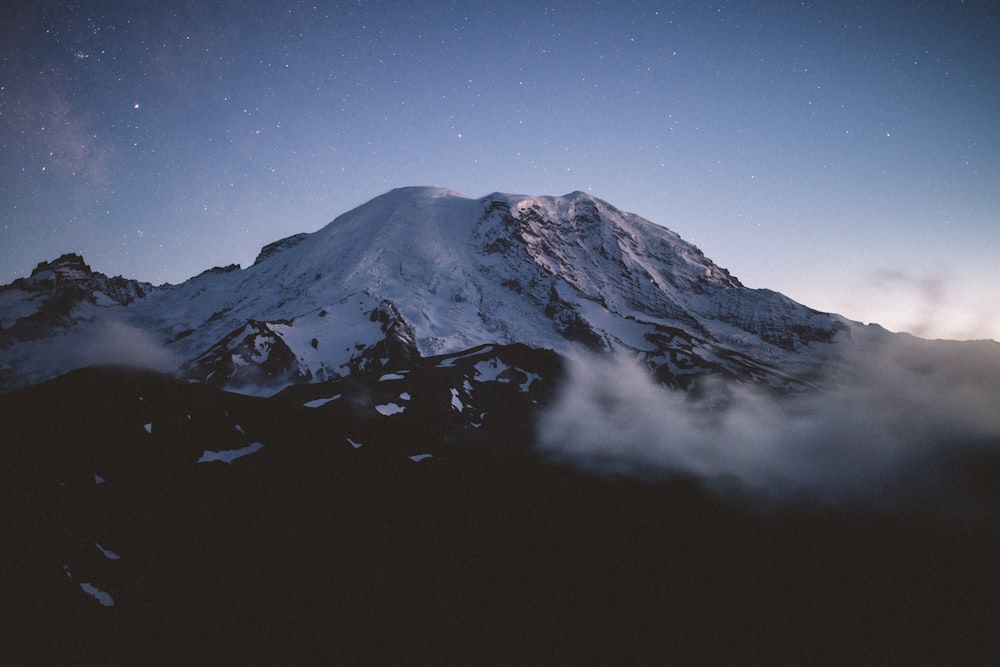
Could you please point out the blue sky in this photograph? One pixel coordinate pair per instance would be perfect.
(845, 154)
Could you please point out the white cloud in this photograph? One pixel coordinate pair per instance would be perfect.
(873, 435)
(108, 341)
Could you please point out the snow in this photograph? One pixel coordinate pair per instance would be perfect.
(261, 348)
(98, 479)
(101, 596)
(489, 369)
(389, 409)
(526, 385)
(456, 402)
(450, 361)
(356, 445)
(15, 304)
(229, 455)
(336, 346)
(148, 427)
(103, 300)
(430, 252)
(626, 331)
(108, 553)
(240, 429)
(391, 376)
(405, 396)
(420, 457)
(319, 402)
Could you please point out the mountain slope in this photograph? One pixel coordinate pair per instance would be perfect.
(423, 271)
(384, 518)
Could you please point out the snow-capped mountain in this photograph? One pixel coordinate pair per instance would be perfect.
(441, 473)
(422, 271)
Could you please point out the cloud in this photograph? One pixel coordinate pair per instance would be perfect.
(875, 435)
(109, 341)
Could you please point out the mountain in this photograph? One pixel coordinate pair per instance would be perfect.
(423, 271)
(501, 431)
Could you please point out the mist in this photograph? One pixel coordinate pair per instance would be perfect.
(889, 427)
(109, 341)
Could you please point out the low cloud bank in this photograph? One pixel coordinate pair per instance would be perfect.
(108, 341)
(101, 341)
(877, 433)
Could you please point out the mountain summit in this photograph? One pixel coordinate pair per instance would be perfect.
(421, 271)
(464, 455)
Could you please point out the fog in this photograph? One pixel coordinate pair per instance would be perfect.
(887, 428)
(109, 341)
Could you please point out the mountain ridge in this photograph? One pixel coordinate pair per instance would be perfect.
(561, 272)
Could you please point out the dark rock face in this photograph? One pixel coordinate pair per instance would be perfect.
(69, 274)
(399, 345)
(58, 288)
(68, 263)
(253, 355)
(256, 354)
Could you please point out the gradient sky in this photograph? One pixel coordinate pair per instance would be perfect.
(846, 154)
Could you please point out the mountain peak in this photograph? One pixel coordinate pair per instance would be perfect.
(423, 191)
(426, 270)
(68, 264)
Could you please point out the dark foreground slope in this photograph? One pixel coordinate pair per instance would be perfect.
(327, 543)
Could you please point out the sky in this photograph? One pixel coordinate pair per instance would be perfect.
(846, 154)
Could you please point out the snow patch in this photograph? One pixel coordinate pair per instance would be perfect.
(489, 369)
(356, 445)
(391, 376)
(148, 427)
(456, 402)
(230, 455)
(420, 457)
(388, 409)
(320, 401)
(449, 362)
(108, 553)
(101, 596)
